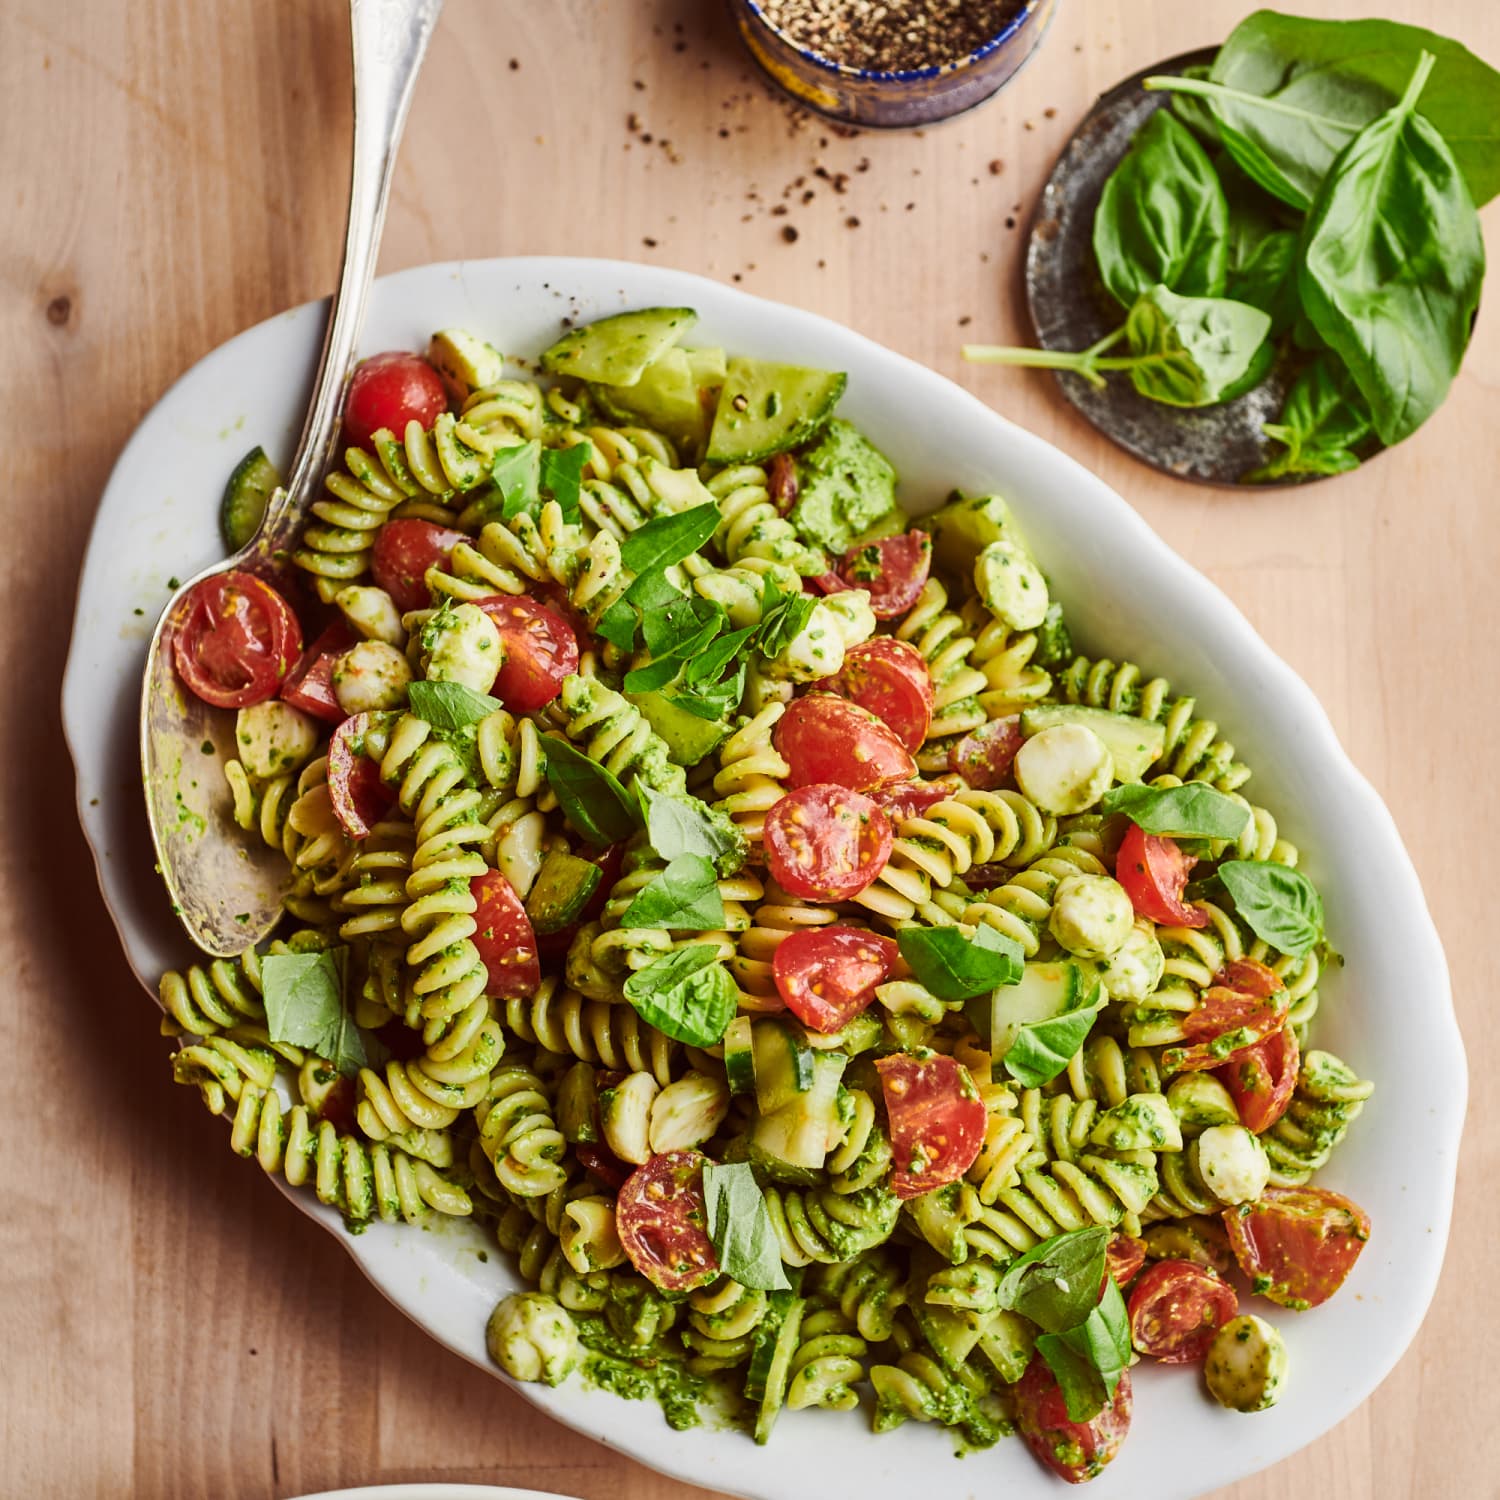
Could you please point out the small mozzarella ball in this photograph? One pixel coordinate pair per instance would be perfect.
(274, 738)
(1064, 769)
(817, 650)
(1233, 1164)
(1091, 916)
(463, 645)
(1011, 585)
(370, 676)
(532, 1337)
(372, 612)
(1247, 1364)
(1135, 969)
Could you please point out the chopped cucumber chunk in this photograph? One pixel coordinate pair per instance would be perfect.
(562, 890)
(246, 496)
(765, 408)
(618, 350)
(1135, 744)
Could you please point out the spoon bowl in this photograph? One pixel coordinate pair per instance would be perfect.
(227, 890)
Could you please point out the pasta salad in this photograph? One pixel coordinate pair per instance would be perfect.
(833, 988)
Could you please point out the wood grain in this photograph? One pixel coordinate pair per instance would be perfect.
(173, 172)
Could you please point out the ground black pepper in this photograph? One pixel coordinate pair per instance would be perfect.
(890, 35)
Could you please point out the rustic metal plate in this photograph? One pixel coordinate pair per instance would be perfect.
(1070, 310)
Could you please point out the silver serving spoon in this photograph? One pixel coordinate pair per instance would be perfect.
(225, 886)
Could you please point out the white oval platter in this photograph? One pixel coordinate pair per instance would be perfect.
(1126, 594)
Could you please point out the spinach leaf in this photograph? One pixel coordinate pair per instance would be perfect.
(1162, 219)
(683, 898)
(527, 475)
(590, 794)
(449, 706)
(665, 540)
(1056, 1284)
(562, 477)
(687, 995)
(1339, 76)
(1281, 906)
(1042, 1049)
(677, 825)
(954, 967)
(304, 998)
(1191, 351)
(1323, 420)
(1089, 1358)
(517, 473)
(1192, 810)
(740, 1226)
(1393, 265)
(618, 625)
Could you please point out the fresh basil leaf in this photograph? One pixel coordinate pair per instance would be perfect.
(1042, 1049)
(783, 617)
(1194, 112)
(652, 677)
(665, 540)
(954, 967)
(517, 474)
(687, 995)
(1339, 76)
(562, 477)
(617, 625)
(304, 999)
(683, 898)
(671, 626)
(654, 591)
(1192, 810)
(740, 1226)
(1081, 1386)
(679, 824)
(1162, 219)
(1393, 264)
(1323, 420)
(1089, 1359)
(1281, 906)
(713, 702)
(449, 706)
(1056, 1284)
(590, 794)
(1191, 351)
(707, 664)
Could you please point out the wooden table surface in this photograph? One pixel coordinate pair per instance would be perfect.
(174, 171)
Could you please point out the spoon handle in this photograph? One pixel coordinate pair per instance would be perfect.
(390, 38)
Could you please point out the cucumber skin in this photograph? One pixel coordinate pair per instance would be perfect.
(246, 494)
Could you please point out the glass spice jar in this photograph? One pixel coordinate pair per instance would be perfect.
(885, 91)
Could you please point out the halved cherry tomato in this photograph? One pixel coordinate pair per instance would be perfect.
(236, 640)
(403, 552)
(828, 739)
(913, 799)
(1297, 1245)
(560, 602)
(662, 1222)
(936, 1116)
(390, 390)
(1123, 1258)
(984, 758)
(827, 975)
(1227, 1021)
(309, 685)
(1261, 1079)
(360, 798)
(602, 1165)
(826, 843)
(890, 679)
(540, 650)
(1154, 871)
(1250, 977)
(893, 570)
(1074, 1451)
(1176, 1309)
(504, 938)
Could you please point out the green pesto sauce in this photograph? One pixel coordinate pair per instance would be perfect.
(639, 1374)
(845, 485)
